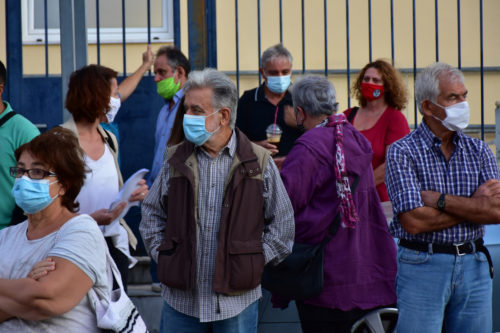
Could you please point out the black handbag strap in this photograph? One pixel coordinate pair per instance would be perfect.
(7, 117)
(334, 227)
(110, 142)
(354, 110)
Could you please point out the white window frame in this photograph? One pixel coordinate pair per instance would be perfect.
(34, 36)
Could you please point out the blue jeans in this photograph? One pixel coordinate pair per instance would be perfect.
(173, 321)
(438, 290)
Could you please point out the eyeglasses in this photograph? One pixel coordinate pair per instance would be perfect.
(32, 173)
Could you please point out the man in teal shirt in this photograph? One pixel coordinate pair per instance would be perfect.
(15, 130)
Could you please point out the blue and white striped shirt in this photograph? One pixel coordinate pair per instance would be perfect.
(415, 163)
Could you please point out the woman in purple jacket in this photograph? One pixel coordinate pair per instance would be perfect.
(360, 260)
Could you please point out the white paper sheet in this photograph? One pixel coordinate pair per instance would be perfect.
(127, 189)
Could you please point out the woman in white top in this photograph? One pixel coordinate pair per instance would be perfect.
(89, 96)
(49, 174)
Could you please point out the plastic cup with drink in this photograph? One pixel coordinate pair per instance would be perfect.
(273, 133)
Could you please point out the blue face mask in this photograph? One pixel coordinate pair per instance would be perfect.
(194, 128)
(32, 195)
(278, 84)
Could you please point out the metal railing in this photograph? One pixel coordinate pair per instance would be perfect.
(196, 49)
(348, 70)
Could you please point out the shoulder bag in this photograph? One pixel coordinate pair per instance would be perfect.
(300, 276)
(115, 312)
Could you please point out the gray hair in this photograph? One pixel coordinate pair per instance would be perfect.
(175, 58)
(315, 95)
(225, 94)
(275, 51)
(427, 81)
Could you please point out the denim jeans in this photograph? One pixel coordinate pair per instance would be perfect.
(173, 321)
(438, 290)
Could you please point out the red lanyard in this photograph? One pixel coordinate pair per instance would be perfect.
(276, 115)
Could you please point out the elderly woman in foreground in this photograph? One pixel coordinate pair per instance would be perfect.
(360, 260)
(49, 174)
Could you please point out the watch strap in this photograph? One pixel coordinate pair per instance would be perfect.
(441, 203)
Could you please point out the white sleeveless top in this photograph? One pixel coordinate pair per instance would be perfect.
(99, 190)
(101, 183)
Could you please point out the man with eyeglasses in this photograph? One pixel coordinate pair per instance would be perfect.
(171, 69)
(15, 130)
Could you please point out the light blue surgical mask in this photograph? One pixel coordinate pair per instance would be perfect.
(32, 195)
(278, 84)
(194, 128)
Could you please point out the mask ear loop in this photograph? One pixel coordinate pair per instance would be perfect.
(57, 195)
(442, 107)
(218, 128)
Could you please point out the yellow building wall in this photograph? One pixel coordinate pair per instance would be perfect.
(359, 40)
(111, 54)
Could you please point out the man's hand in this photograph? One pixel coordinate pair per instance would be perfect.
(105, 216)
(483, 207)
(42, 268)
(490, 188)
(148, 57)
(264, 143)
(430, 198)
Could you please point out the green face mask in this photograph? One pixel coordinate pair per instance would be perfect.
(167, 88)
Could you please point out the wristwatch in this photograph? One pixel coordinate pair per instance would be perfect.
(441, 202)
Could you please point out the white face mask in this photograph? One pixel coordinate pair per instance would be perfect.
(457, 116)
(115, 104)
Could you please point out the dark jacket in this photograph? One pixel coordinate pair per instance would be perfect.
(240, 256)
(360, 263)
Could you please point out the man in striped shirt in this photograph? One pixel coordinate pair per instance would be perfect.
(444, 187)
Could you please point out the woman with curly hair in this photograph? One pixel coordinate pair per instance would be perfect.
(381, 93)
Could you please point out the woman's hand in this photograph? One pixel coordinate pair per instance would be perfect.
(42, 268)
(52, 295)
(105, 216)
(140, 193)
(279, 161)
